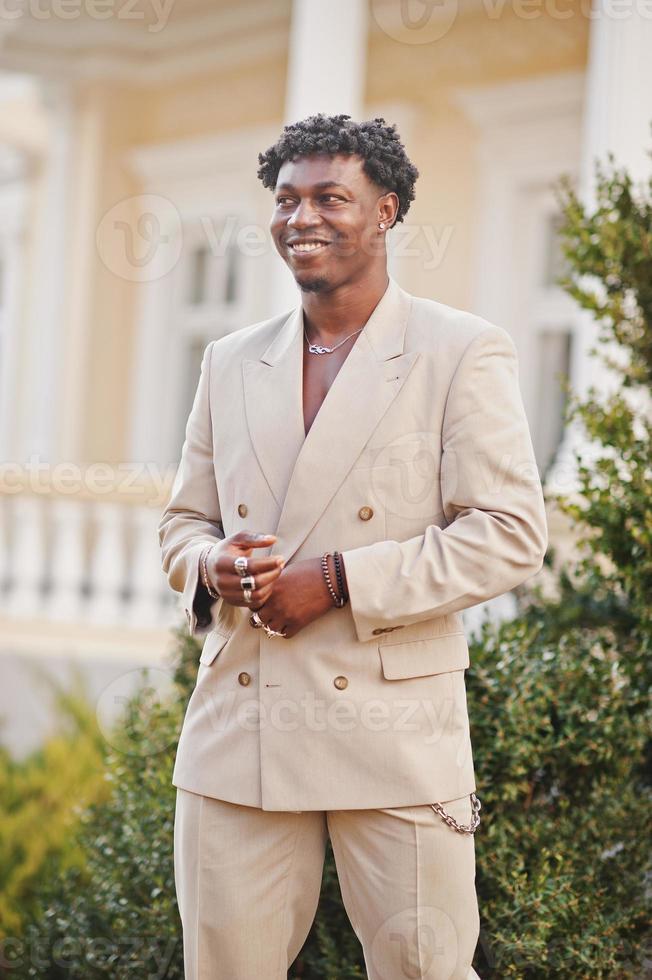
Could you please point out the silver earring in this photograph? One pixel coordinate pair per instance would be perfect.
(381, 225)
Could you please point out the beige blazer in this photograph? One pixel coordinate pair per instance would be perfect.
(419, 468)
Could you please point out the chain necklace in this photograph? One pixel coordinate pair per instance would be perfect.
(320, 349)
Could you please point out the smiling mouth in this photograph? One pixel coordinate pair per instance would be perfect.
(307, 248)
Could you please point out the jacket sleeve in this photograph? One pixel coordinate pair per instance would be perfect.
(192, 517)
(496, 535)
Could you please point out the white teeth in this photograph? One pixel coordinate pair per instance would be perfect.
(307, 246)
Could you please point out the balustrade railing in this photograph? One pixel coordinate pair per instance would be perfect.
(71, 559)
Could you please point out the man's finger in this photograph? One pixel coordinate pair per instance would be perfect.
(248, 539)
(255, 566)
(261, 578)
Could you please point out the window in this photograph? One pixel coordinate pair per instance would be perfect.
(553, 358)
(552, 315)
(198, 264)
(212, 276)
(207, 304)
(555, 264)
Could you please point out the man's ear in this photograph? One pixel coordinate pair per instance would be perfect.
(388, 205)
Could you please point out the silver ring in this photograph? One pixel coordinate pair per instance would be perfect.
(247, 595)
(247, 582)
(240, 564)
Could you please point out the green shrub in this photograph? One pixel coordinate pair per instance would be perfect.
(42, 798)
(564, 845)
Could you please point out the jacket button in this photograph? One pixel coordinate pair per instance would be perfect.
(365, 513)
(244, 678)
(340, 682)
(242, 510)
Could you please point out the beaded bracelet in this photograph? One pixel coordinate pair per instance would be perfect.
(204, 573)
(337, 558)
(337, 600)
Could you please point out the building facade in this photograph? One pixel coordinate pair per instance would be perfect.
(134, 230)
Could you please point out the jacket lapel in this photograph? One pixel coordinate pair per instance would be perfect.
(304, 472)
(273, 404)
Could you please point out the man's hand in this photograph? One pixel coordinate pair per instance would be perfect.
(299, 595)
(225, 579)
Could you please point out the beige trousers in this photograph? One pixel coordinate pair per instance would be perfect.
(248, 884)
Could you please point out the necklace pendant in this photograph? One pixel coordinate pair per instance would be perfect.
(316, 349)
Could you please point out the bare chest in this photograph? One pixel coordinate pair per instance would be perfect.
(319, 372)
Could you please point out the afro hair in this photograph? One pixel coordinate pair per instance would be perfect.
(385, 160)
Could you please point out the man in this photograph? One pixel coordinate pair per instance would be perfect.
(355, 473)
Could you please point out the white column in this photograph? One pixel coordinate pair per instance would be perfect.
(619, 92)
(617, 115)
(14, 193)
(86, 165)
(326, 73)
(47, 313)
(327, 61)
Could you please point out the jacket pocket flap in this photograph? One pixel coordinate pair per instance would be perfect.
(418, 658)
(212, 646)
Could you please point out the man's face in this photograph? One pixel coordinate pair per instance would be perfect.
(325, 221)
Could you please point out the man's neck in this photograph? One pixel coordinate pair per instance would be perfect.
(335, 314)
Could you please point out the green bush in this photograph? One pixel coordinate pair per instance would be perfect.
(114, 913)
(609, 254)
(42, 798)
(563, 849)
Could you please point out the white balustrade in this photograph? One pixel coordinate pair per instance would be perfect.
(64, 600)
(67, 560)
(27, 557)
(149, 592)
(108, 566)
(4, 556)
